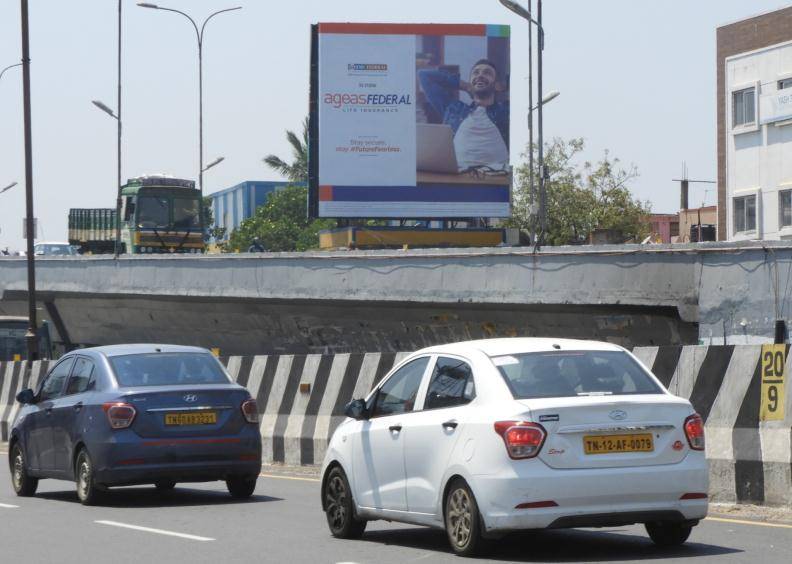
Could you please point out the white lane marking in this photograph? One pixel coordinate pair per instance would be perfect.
(8, 506)
(745, 522)
(156, 531)
(299, 479)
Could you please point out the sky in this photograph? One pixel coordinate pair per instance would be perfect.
(637, 78)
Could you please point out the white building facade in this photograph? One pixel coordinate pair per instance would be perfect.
(758, 144)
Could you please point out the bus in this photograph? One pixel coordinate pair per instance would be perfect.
(13, 346)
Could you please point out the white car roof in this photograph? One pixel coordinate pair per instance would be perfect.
(518, 345)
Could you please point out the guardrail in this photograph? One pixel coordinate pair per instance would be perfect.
(302, 399)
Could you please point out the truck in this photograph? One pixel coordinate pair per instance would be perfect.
(159, 214)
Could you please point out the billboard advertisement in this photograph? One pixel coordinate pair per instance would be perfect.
(410, 121)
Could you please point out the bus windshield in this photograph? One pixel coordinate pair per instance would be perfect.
(186, 213)
(12, 342)
(13, 345)
(153, 211)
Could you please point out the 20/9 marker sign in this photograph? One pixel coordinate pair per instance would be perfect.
(773, 366)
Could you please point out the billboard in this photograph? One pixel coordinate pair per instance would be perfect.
(409, 121)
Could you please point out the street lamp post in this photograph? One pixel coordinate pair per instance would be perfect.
(30, 336)
(526, 15)
(199, 35)
(106, 109)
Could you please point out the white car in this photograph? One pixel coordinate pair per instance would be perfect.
(54, 249)
(486, 437)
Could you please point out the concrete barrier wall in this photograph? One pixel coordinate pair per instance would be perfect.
(750, 460)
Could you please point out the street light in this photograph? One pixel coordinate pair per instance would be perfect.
(106, 109)
(7, 188)
(199, 36)
(215, 162)
(2, 72)
(526, 15)
(551, 96)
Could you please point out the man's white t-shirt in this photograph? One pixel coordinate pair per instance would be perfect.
(478, 142)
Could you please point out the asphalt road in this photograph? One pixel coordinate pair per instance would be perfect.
(283, 523)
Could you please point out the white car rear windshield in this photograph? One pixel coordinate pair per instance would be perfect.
(167, 369)
(559, 374)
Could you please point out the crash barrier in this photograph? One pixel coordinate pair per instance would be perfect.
(302, 398)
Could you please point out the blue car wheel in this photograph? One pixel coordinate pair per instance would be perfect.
(24, 484)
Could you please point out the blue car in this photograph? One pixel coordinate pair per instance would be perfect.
(136, 414)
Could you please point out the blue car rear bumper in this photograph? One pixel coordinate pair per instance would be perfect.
(128, 459)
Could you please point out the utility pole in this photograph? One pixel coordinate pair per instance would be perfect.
(118, 156)
(32, 333)
(542, 169)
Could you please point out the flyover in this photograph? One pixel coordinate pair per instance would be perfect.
(387, 301)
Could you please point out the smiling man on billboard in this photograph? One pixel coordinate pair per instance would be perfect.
(481, 128)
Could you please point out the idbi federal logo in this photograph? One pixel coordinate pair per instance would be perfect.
(367, 69)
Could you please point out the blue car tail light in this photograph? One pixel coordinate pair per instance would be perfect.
(119, 414)
(250, 410)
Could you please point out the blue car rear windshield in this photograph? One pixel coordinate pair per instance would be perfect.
(167, 369)
(560, 374)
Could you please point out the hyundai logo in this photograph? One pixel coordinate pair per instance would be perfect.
(190, 398)
(618, 415)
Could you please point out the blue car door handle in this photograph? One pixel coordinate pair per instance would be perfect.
(78, 406)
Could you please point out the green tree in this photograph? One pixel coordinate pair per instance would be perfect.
(580, 199)
(281, 224)
(211, 231)
(297, 170)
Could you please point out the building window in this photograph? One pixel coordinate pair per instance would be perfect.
(785, 208)
(743, 107)
(745, 214)
(786, 83)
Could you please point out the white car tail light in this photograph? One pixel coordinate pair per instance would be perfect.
(250, 410)
(694, 430)
(522, 439)
(120, 415)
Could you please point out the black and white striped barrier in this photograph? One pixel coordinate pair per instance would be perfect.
(302, 399)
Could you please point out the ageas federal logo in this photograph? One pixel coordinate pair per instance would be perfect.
(353, 99)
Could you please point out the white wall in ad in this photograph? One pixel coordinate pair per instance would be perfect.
(464, 51)
(367, 110)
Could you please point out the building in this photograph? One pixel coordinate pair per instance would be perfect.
(697, 225)
(754, 68)
(232, 205)
(664, 226)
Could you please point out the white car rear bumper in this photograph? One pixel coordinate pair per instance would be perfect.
(590, 497)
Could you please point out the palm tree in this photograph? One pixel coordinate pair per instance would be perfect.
(297, 171)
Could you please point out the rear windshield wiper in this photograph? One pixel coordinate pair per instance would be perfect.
(595, 393)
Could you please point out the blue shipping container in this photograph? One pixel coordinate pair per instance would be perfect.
(232, 205)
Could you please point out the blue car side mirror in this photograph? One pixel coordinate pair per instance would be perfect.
(26, 396)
